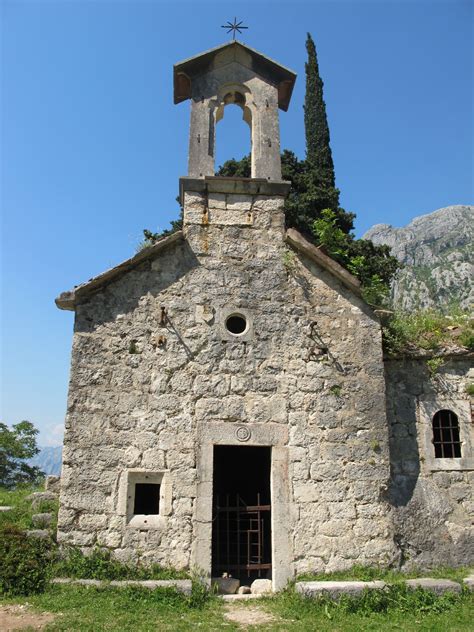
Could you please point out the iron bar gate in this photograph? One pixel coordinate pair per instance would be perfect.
(242, 536)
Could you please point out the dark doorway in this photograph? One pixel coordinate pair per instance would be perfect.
(241, 527)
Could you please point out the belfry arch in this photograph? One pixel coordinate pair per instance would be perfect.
(239, 96)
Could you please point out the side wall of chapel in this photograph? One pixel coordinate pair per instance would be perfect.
(432, 498)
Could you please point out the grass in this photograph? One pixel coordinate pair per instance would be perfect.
(84, 609)
(87, 609)
(369, 573)
(396, 609)
(22, 512)
(100, 565)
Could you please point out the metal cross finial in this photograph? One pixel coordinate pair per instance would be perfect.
(234, 27)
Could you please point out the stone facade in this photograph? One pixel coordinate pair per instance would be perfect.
(433, 499)
(144, 395)
(159, 378)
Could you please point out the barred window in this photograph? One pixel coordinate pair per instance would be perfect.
(446, 440)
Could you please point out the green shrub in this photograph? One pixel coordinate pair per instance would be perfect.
(25, 562)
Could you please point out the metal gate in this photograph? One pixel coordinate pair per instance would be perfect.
(242, 536)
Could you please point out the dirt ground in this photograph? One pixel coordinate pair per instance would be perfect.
(245, 615)
(19, 617)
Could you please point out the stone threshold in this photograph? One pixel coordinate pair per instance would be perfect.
(335, 589)
(182, 585)
(243, 597)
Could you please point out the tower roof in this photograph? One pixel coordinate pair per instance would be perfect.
(275, 73)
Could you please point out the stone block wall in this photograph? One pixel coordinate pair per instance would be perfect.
(433, 499)
(143, 393)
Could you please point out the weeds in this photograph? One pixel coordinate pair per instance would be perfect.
(428, 330)
(395, 602)
(434, 364)
(289, 260)
(100, 565)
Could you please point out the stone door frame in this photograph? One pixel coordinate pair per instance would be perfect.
(271, 435)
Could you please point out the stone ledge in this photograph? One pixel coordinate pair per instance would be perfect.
(245, 186)
(438, 586)
(297, 241)
(182, 585)
(334, 589)
(469, 582)
(242, 597)
(67, 300)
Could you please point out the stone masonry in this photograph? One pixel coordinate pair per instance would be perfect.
(158, 378)
(433, 502)
(138, 403)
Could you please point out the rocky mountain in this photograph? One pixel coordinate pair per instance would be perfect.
(437, 251)
(48, 460)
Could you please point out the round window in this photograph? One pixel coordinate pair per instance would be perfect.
(236, 324)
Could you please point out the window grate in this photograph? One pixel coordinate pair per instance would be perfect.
(446, 438)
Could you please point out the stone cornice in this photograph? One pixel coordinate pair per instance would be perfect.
(67, 300)
(296, 239)
(240, 186)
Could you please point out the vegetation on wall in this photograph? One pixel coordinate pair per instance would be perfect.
(428, 330)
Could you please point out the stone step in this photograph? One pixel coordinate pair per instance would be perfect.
(334, 590)
(36, 498)
(182, 585)
(42, 519)
(438, 586)
(239, 597)
(41, 534)
(469, 582)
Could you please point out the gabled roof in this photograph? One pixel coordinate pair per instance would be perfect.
(296, 239)
(275, 73)
(67, 300)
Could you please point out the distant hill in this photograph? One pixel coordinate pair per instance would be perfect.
(437, 251)
(48, 460)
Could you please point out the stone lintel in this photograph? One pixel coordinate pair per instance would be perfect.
(241, 186)
(296, 239)
(67, 300)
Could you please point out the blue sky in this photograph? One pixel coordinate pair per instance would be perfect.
(92, 146)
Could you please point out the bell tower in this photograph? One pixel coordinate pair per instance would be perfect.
(234, 73)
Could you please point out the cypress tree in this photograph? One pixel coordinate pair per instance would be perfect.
(314, 180)
(318, 150)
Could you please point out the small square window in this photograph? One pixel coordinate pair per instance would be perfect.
(147, 499)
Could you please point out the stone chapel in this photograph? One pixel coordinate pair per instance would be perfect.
(230, 408)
